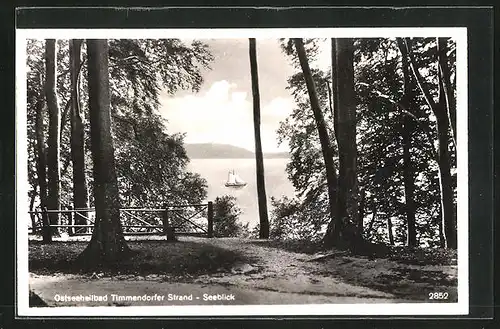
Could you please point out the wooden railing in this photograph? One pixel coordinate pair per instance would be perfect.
(169, 220)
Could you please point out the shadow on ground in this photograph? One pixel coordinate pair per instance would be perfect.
(405, 272)
(150, 257)
(297, 246)
(403, 280)
(36, 301)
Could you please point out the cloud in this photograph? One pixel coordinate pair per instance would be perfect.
(232, 63)
(220, 91)
(222, 111)
(220, 115)
(224, 114)
(324, 57)
(278, 108)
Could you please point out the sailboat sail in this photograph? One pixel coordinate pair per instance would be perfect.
(230, 178)
(238, 179)
(233, 180)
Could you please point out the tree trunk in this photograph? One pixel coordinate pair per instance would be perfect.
(346, 125)
(446, 75)
(442, 242)
(334, 95)
(369, 234)
(53, 171)
(408, 175)
(331, 237)
(31, 209)
(107, 244)
(446, 117)
(261, 185)
(446, 183)
(389, 230)
(361, 214)
(444, 164)
(80, 193)
(41, 166)
(409, 186)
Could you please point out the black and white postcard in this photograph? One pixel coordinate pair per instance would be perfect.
(240, 172)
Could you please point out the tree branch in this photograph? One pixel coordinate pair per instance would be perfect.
(405, 47)
(330, 103)
(445, 84)
(130, 122)
(404, 109)
(64, 118)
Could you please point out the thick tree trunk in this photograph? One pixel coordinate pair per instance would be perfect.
(107, 244)
(332, 235)
(80, 192)
(54, 178)
(346, 125)
(41, 166)
(334, 96)
(259, 159)
(408, 175)
(448, 89)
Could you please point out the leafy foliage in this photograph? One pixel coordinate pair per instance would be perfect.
(140, 70)
(293, 220)
(151, 164)
(308, 213)
(226, 214)
(144, 151)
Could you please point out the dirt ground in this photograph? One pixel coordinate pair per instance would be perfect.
(254, 271)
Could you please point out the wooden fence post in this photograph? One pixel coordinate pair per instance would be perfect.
(71, 221)
(167, 229)
(210, 215)
(46, 233)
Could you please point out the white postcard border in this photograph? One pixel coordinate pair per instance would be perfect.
(459, 34)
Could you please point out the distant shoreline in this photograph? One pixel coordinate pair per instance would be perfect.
(239, 158)
(226, 151)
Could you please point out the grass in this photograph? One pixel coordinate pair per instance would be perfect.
(423, 256)
(404, 255)
(150, 257)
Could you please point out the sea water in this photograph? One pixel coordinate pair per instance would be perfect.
(215, 171)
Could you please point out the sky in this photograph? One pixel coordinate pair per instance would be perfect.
(222, 111)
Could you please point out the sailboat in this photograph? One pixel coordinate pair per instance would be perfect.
(233, 180)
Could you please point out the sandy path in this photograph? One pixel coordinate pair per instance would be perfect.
(282, 271)
(273, 276)
(48, 287)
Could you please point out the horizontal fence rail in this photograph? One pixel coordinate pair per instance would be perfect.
(171, 220)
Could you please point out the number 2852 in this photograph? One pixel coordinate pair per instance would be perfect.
(438, 295)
